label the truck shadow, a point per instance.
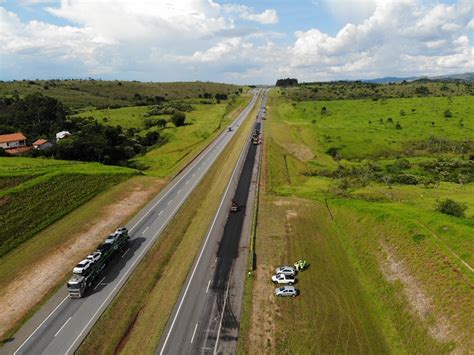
(114, 268)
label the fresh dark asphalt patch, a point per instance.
(229, 246)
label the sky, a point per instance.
(242, 42)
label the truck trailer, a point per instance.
(78, 284)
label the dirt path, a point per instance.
(33, 284)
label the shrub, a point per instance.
(334, 152)
(451, 207)
(407, 179)
(178, 118)
(447, 114)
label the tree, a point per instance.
(451, 207)
(287, 82)
(447, 114)
(178, 118)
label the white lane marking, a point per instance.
(222, 317)
(98, 283)
(160, 213)
(169, 202)
(229, 184)
(194, 333)
(187, 182)
(208, 284)
(178, 191)
(194, 174)
(62, 327)
(145, 229)
(39, 326)
(126, 251)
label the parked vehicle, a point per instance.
(286, 291)
(82, 267)
(286, 270)
(283, 279)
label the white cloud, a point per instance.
(399, 37)
(267, 17)
(205, 40)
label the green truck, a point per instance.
(91, 268)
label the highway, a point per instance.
(62, 323)
(206, 317)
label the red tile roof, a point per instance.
(13, 137)
(18, 150)
(40, 142)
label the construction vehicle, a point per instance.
(258, 126)
(79, 283)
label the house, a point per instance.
(13, 140)
(62, 135)
(42, 144)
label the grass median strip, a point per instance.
(137, 317)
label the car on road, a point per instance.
(287, 270)
(94, 256)
(283, 279)
(234, 207)
(286, 291)
(82, 267)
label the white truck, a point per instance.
(283, 279)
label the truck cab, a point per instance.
(76, 286)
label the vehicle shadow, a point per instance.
(116, 265)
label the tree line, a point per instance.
(39, 116)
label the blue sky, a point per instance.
(234, 41)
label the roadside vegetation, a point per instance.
(382, 212)
(34, 195)
(87, 94)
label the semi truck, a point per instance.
(79, 283)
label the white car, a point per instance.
(94, 256)
(82, 267)
(286, 291)
(287, 270)
(283, 279)
(112, 238)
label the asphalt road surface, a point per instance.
(204, 318)
(62, 323)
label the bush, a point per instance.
(448, 114)
(407, 179)
(333, 151)
(451, 207)
(178, 118)
(158, 122)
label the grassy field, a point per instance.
(135, 320)
(358, 90)
(361, 134)
(87, 94)
(35, 192)
(181, 143)
(388, 273)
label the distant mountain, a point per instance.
(393, 79)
